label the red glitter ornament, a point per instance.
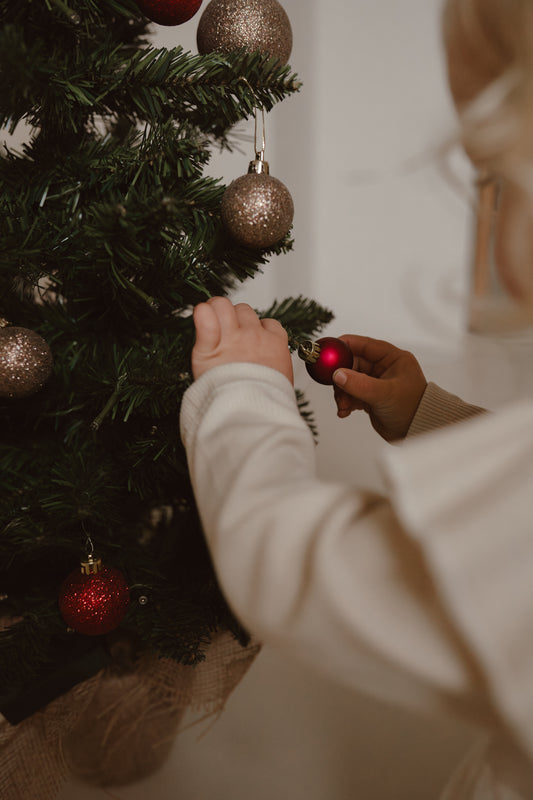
(169, 12)
(325, 356)
(94, 599)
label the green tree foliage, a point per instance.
(110, 233)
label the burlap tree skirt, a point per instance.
(118, 726)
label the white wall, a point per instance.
(382, 238)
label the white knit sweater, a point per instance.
(423, 597)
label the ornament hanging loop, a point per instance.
(259, 165)
(260, 153)
(91, 564)
(89, 546)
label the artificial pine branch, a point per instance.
(110, 233)
(300, 316)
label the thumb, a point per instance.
(208, 330)
(360, 386)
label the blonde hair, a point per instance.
(489, 49)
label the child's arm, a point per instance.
(424, 599)
(318, 569)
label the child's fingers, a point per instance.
(246, 316)
(225, 311)
(274, 326)
(208, 329)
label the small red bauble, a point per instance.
(325, 356)
(169, 12)
(94, 599)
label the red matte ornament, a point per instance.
(324, 357)
(169, 12)
(94, 601)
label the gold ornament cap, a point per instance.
(309, 351)
(91, 565)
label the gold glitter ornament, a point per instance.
(228, 25)
(25, 361)
(257, 209)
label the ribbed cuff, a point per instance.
(439, 408)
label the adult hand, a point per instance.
(386, 382)
(227, 333)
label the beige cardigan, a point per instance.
(423, 597)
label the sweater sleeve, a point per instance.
(439, 408)
(464, 494)
(326, 572)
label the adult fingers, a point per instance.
(360, 386)
(208, 330)
(368, 352)
(345, 403)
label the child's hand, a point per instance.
(226, 333)
(386, 382)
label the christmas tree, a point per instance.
(111, 232)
